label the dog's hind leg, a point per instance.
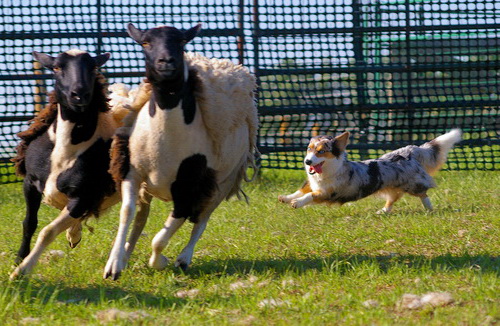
(391, 197)
(426, 202)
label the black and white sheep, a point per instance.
(64, 155)
(190, 144)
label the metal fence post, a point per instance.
(360, 65)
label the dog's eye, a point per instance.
(309, 149)
(321, 152)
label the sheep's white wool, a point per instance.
(65, 154)
(229, 88)
(75, 52)
(126, 103)
(226, 86)
(223, 132)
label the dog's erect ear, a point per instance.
(342, 140)
(134, 33)
(191, 33)
(46, 60)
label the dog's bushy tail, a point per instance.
(436, 151)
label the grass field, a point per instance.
(267, 264)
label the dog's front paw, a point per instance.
(283, 199)
(297, 203)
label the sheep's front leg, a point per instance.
(45, 238)
(33, 199)
(161, 239)
(118, 257)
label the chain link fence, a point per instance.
(392, 72)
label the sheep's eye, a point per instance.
(56, 69)
(145, 44)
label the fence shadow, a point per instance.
(348, 263)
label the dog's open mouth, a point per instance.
(318, 168)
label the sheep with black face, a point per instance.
(64, 155)
(191, 143)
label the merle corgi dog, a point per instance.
(333, 179)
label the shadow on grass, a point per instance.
(100, 296)
(345, 264)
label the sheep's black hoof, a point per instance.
(73, 245)
(183, 266)
(114, 276)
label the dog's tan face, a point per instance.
(323, 151)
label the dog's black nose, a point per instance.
(308, 162)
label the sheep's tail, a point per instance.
(252, 158)
(437, 150)
(248, 161)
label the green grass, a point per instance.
(319, 263)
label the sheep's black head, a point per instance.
(75, 73)
(164, 50)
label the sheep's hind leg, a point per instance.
(140, 221)
(33, 199)
(74, 235)
(118, 257)
(160, 241)
(46, 237)
(184, 259)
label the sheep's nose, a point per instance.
(80, 97)
(308, 162)
(75, 96)
(167, 60)
(165, 63)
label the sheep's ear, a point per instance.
(342, 141)
(46, 60)
(134, 33)
(191, 33)
(101, 59)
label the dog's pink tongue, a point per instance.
(317, 168)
